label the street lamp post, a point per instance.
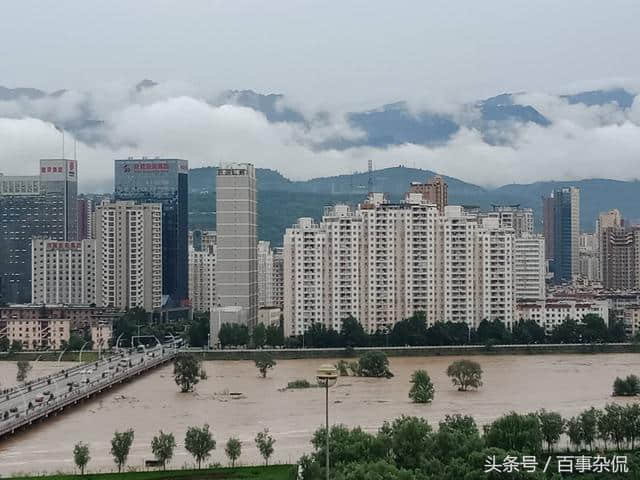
(327, 376)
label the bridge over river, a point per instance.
(49, 395)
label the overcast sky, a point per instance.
(324, 51)
(338, 56)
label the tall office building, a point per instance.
(63, 272)
(435, 191)
(548, 225)
(129, 255)
(237, 247)
(42, 205)
(563, 210)
(165, 182)
(589, 269)
(529, 267)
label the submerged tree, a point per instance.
(421, 387)
(465, 374)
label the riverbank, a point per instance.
(332, 353)
(272, 472)
(424, 351)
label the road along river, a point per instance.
(565, 383)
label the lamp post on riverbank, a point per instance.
(327, 376)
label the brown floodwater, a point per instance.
(565, 383)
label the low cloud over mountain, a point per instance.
(510, 138)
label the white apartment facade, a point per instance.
(265, 274)
(202, 278)
(129, 255)
(34, 334)
(63, 272)
(530, 267)
(553, 311)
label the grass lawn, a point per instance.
(272, 472)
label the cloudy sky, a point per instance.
(329, 56)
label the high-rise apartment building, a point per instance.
(202, 278)
(589, 262)
(129, 255)
(85, 221)
(513, 216)
(202, 240)
(42, 205)
(564, 205)
(386, 261)
(265, 274)
(237, 243)
(63, 272)
(435, 191)
(165, 182)
(278, 278)
(304, 293)
(620, 257)
(529, 267)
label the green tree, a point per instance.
(614, 418)
(374, 364)
(409, 439)
(627, 387)
(259, 335)
(265, 443)
(631, 424)
(515, 432)
(552, 426)
(162, 446)
(127, 325)
(527, 332)
(241, 334)
(16, 346)
(81, 456)
(5, 344)
(226, 335)
(616, 332)
(24, 367)
(465, 374)
(493, 331)
(410, 331)
(120, 446)
(421, 387)
(186, 371)
(352, 333)
(574, 432)
(465, 424)
(264, 362)
(199, 442)
(274, 336)
(594, 329)
(568, 331)
(198, 331)
(589, 426)
(233, 450)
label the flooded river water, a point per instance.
(566, 383)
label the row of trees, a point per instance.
(408, 448)
(198, 441)
(414, 331)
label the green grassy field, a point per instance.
(272, 472)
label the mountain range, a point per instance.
(282, 201)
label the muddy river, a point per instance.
(566, 383)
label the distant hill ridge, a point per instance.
(307, 197)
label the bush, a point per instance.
(627, 387)
(343, 368)
(300, 383)
(421, 387)
(374, 364)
